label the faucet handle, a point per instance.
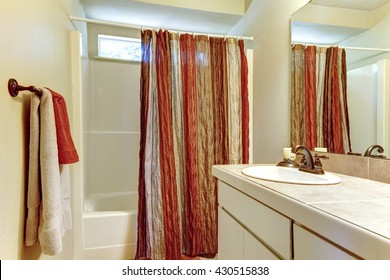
(318, 164)
(317, 157)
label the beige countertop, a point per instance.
(354, 214)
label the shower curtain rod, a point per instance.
(125, 25)
(346, 47)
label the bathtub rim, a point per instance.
(91, 200)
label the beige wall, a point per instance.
(269, 22)
(34, 49)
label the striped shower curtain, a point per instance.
(319, 109)
(194, 113)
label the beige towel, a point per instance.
(34, 182)
(48, 195)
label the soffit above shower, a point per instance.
(216, 16)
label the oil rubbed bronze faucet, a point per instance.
(308, 164)
(371, 148)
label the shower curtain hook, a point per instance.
(224, 37)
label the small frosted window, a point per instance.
(119, 47)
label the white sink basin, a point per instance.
(289, 175)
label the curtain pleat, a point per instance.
(310, 97)
(343, 100)
(190, 103)
(336, 108)
(319, 110)
(166, 146)
(205, 145)
(220, 97)
(234, 96)
(192, 91)
(326, 116)
(245, 103)
(142, 244)
(154, 210)
(178, 131)
(320, 78)
(297, 96)
(152, 176)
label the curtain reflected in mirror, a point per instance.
(349, 43)
(319, 107)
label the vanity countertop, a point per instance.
(354, 214)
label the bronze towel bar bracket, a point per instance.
(14, 88)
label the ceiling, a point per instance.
(163, 16)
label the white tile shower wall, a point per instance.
(115, 96)
(112, 162)
(113, 127)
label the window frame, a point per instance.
(125, 40)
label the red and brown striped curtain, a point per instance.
(319, 109)
(194, 113)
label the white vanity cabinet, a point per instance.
(250, 230)
(255, 250)
(310, 246)
(230, 237)
(261, 219)
(236, 243)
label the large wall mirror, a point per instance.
(362, 28)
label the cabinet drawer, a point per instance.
(308, 246)
(272, 228)
(230, 237)
(255, 250)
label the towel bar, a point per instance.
(14, 88)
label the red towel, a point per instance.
(66, 150)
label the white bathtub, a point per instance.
(110, 225)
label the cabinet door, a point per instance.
(308, 246)
(255, 250)
(272, 227)
(230, 237)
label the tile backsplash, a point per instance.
(358, 166)
(379, 170)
